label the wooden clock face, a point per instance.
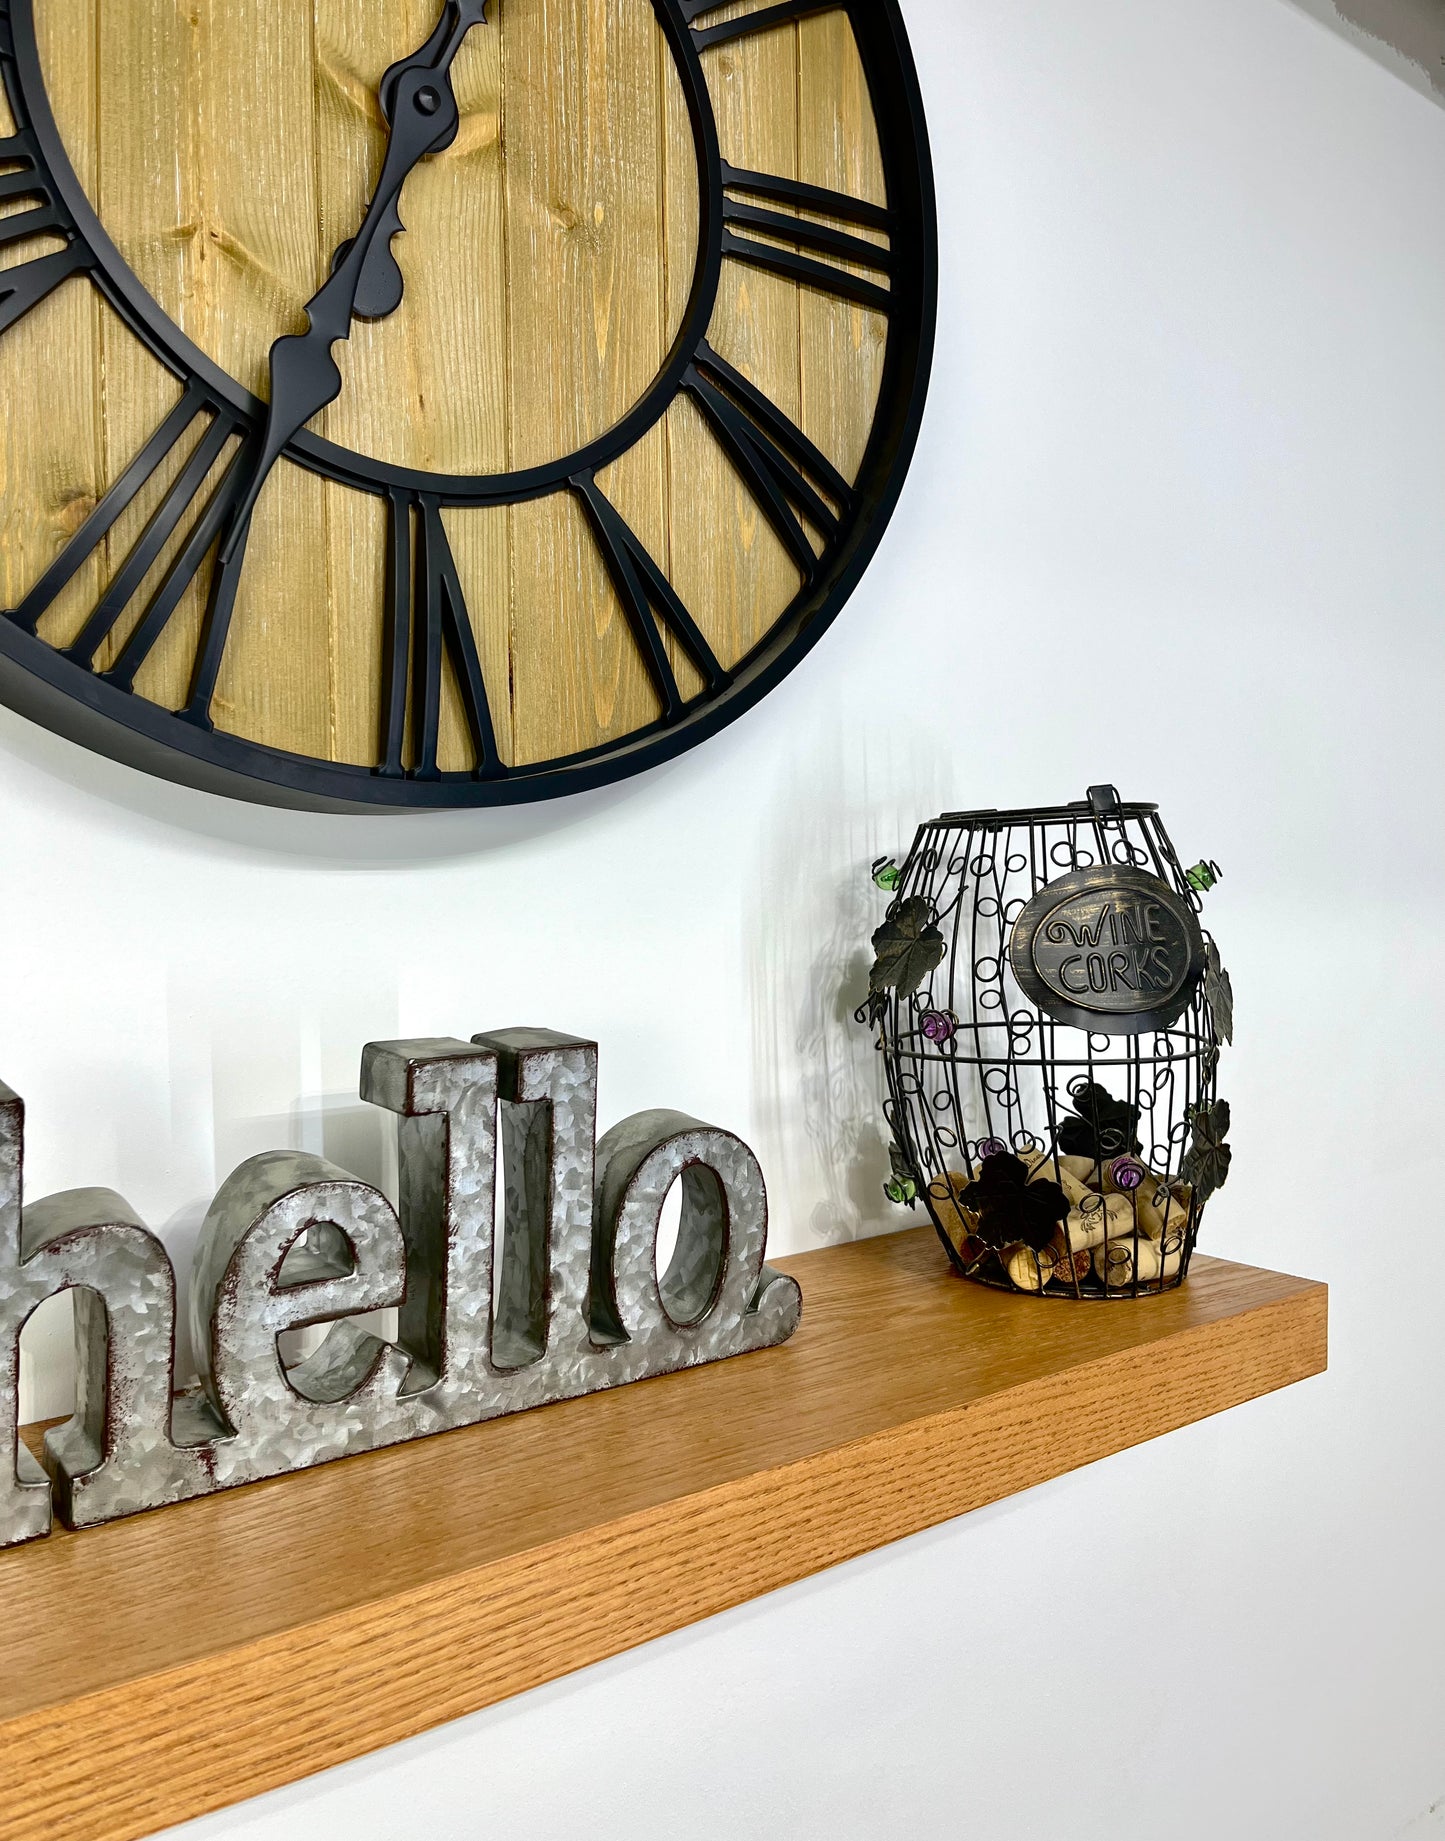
(608, 448)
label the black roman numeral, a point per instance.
(782, 469)
(745, 224)
(427, 622)
(211, 517)
(28, 283)
(811, 198)
(645, 592)
(763, 20)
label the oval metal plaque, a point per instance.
(1109, 949)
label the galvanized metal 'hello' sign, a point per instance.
(291, 1241)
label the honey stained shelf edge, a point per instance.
(173, 1664)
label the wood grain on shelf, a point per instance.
(181, 1661)
(549, 253)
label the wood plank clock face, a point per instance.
(445, 404)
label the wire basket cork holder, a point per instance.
(1050, 1013)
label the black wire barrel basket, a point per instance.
(1050, 1013)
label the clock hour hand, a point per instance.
(420, 106)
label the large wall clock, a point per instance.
(445, 402)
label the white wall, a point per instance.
(1184, 469)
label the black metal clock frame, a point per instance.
(100, 710)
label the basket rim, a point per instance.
(992, 819)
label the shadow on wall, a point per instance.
(1406, 36)
(817, 1082)
(292, 1046)
(396, 841)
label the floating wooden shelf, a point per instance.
(169, 1665)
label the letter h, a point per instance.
(115, 1454)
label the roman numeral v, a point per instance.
(648, 599)
(427, 623)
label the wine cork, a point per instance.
(1070, 1264)
(958, 1222)
(1121, 1263)
(1164, 1214)
(1100, 1218)
(1027, 1270)
(1055, 1170)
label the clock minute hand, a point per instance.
(365, 282)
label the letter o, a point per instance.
(715, 1271)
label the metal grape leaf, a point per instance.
(1011, 1209)
(1206, 1162)
(1218, 991)
(902, 1187)
(1101, 1126)
(909, 947)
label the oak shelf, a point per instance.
(161, 1667)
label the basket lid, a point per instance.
(1101, 802)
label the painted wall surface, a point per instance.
(1176, 521)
